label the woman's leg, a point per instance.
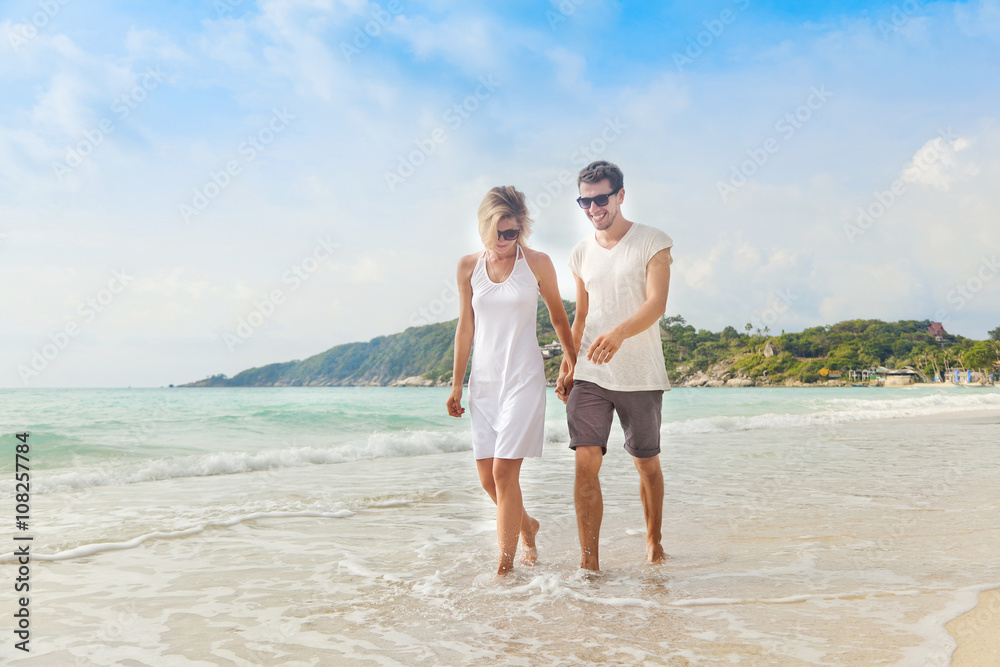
(510, 510)
(529, 526)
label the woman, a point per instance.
(499, 290)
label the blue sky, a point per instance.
(191, 188)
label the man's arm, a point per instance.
(604, 347)
(565, 382)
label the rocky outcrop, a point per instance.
(417, 381)
(719, 375)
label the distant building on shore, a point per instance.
(936, 329)
(902, 377)
(551, 351)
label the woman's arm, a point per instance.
(548, 287)
(463, 333)
(565, 382)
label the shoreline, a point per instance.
(421, 383)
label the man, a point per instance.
(622, 275)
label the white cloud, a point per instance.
(746, 257)
(938, 165)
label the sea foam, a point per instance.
(840, 411)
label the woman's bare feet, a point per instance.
(529, 552)
(654, 554)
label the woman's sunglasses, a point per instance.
(600, 200)
(508, 234)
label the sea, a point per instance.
(346, 526)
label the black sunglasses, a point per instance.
(600, 200)
(508, 234)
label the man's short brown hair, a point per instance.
(595, 172)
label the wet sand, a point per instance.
(978, 633)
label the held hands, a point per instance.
(454, 403)
(605, 346)
(564, 384)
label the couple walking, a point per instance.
(622, 275)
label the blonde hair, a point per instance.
(503, 201)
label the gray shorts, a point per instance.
(590, 411)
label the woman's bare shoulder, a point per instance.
(536, 257)
(467, 263)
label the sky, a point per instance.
(192, 188)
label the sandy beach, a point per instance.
(978, 633)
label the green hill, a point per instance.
(427, 351)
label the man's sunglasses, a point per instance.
(508, 234)
(600, 200)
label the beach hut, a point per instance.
(551, 351)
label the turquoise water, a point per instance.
(251, 428)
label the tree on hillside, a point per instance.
(995, 334)
(979, 357)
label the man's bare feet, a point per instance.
(529, 552)
(654, 554)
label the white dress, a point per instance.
(507, 382)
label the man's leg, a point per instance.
(529, 526)
(589, 504)
(651, 493)
(639, 412)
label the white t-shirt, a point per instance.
(616, 284)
